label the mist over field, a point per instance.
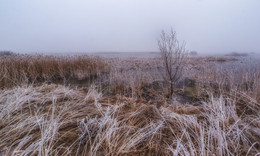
(64, 26)
(129, 77)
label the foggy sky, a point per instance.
(207, 26)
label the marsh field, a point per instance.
(96, 105)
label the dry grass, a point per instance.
(19, 69)
(125, 112)
(55, 120)
(242, 76)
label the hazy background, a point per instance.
(208, 26)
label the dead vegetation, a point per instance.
(56, 120)
(27, 69)
(124, 110)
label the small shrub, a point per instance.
(173, 55)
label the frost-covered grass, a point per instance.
(57, 120)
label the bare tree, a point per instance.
(173, 55)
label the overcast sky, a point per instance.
(207, 26)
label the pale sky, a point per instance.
(207, 26)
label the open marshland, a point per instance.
(82, 105)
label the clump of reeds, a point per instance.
(19, 69)
(56, 120)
